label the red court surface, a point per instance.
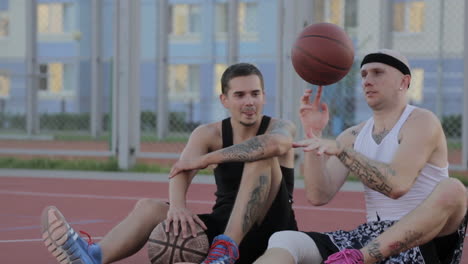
(97, 205)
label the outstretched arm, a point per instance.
(277, 141)
(323, 174)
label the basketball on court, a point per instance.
(166, 248)
(322, 54)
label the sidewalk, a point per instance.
(132, 176)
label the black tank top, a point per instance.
(228, 175)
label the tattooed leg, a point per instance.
(259, 185)
(440, 214)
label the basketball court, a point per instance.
(95, 201)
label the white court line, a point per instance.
(34, 240)
(111, 197)
(91, 196)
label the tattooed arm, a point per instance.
(420, 136)
(275, 142)
(323, 174)
(375, 175)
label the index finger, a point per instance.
(319, 94)
(301, 143)
(174, 173)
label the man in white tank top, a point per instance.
(415, 212)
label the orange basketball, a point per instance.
(322, 54)
(165, 248)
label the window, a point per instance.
(4, 85)
(184, 82)
(248, 14)
(4, 18)
(408, 16)
(415, 92)
(334, 12)
(185, 20)
(221, 18)
(219, 70)
(51, 78)
(351, 9)
(53, 18)
(247, 20)
(339, 12)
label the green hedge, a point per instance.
(80, 122)
(452, 126)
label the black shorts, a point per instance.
(279, 217)
(441, 250)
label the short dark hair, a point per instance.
(237, 70)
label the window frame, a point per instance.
(5, 79)
(48, 79)
(5, 15)
(407, 17)
(188, 36)
(188, 94)
(67, 17)
(244, 35)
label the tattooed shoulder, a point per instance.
(354, 131)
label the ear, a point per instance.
(405, 82)
(224, 100)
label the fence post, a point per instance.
(162, 55)
(32, 120)
(233, 32)
(280, 59)
(440, 62)
(297, 16)
(127, 77)
(96, 73)
(465, 95)
(386, 26)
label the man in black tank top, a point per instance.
(254, 173)
(254, 176)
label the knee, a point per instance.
(451, 193)
(299, 245)
(281, 238)
(150, 205)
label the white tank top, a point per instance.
(378, 205)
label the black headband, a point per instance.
(386, 59)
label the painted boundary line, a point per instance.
(111, 197)
(131, 176)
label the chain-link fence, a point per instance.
(74, 66)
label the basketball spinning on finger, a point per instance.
(322, 54)
(167, 248)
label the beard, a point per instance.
(247, 124)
